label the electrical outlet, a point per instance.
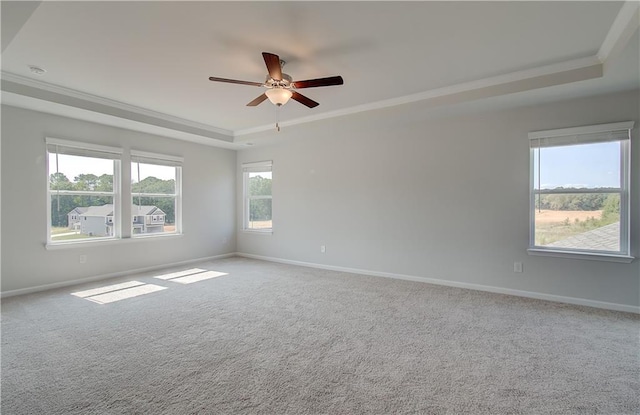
(323, 249)
(83, 259)
(517, 267)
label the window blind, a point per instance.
(153, 158)
(581, 135)
(258, 166)
(72, 148)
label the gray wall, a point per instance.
(208, 203)
(414, 191)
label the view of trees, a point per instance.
(61, 205)
(573, 201)
(611, 209)
(260, 209)
(608, 203)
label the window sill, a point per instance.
(106, 242)
(140, 237)
(258, 231)
(626, 259)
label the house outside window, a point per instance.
(82, 179)
(257, 196)
(156, 194)
(579, 192)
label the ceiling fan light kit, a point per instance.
(278, 95)
(280, 86)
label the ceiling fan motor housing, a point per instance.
(286, 82)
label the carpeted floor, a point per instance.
(265, 338)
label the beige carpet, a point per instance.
(261, 338)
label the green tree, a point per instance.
(259, 186)
(611, 209)
(572, 201)
(105, 183)
(260, 209)
(154, 185)
(60, 205)
(86, 182)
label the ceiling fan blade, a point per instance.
(313, 83)
(234, 81)
(257, 100)
(273, 65)
(304, 100)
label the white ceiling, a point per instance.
(154, 58)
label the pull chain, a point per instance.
(539, 195)
(58, 179)
(277, 117)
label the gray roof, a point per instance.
(78, 210)
(145, 210)
(107, 210)
(606, 238)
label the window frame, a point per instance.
(116, 155)
(577, 136)
(255, 167)
(145, 157)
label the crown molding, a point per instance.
(540, 77)
(95, 99)
(623, 27)
(49, 107)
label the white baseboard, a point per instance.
(477, 287)
(31, 290)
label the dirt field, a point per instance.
(553, 216)
(552, 225)
(264, 224)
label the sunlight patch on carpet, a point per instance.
(178, 274)
(191, 275)
(117, 292)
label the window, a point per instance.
(156, 193)
(82, 182)
(580, 191)
(256, 179)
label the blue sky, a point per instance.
(587, 165)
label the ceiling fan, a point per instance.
(280, 86)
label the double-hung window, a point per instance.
(156, 194)
(257, 212)
(579, 192)
(83, 191)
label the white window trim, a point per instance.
(624, 255)
(116, 194)
(138, 156)
(253, 167)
